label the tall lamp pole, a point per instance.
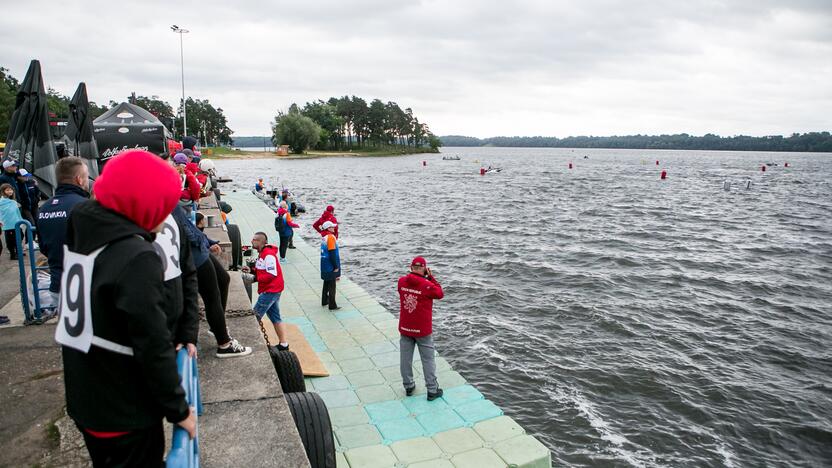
(182, 31)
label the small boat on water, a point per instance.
(450, 158)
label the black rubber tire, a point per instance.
(236, 246)
(315, 429)
(288, 370)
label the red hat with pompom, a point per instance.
(140, 186)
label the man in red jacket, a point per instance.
(417, 290)
(269, 277)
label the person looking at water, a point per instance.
(269, 278)
(284, 226)
(330, 265)
(327, 215)
(119, 362)
(181, 284)
(213, 282)
(417, 291)
(73, 178)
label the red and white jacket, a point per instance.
(267, 271)
(416, 294)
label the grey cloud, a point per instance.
(681, 65)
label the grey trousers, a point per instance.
(426, 352)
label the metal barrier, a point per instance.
(30, 317)
(184, 451)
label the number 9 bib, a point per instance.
(75, 323)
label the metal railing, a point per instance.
(31, 317)
(184, 451)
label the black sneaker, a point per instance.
(433, 396)
(235, 349)
(280, 347)
(409, 390)
(334, 308)
(4, 320)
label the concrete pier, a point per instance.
(375, 424)
(246, 420)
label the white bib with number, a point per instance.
(167, 246)
(74, 328)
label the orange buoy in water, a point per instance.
(657, 162)
(664, 175)
(482, 171)
(570, 165)
(763, 167)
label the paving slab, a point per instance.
(375, 423)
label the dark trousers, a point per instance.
(213, 283)
(11, 242)
(328, 294)
(138, 448)
(284, 244)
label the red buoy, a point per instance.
(786, 165)
(763, 167)
(570, 165)
(664, 175)
(482, 171)
(657, 162)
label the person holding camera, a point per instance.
(417, 291)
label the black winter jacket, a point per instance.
(106, 390)
(181, 293)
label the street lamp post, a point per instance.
(182, 31)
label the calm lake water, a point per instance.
(621, 319)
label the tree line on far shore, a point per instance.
(204, 120)
(347, 123)
(805, 142)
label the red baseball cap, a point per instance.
(419, 261)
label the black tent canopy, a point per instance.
(128, 126)
(78, 138)
(30, 141)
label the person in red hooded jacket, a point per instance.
(328, 215)
(190, 185)
(417, 291)
(119, 361)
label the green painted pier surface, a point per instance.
(375, 424)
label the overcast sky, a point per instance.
(479, 68)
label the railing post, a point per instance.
(29, 315)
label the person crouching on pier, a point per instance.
(119, 361)
(417, 291)
(330, 265)
(269, 277)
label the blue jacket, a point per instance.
(330, 258)
(200, 243)
(21, 192)
(52, 219)
(9, 213)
